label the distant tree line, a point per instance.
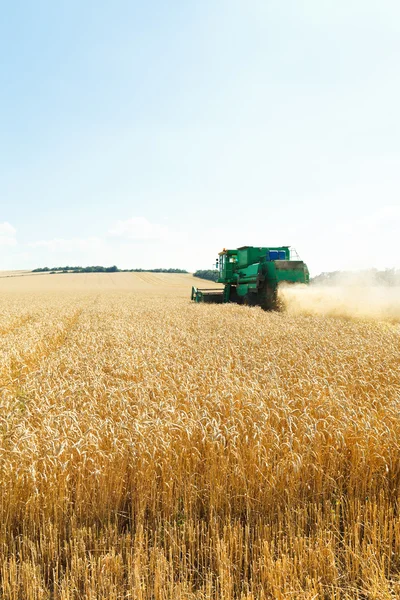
(210, 274)
(100, 269)
(68, 269)
(155, 271)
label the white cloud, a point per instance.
(7, 234)
(7, 241)
(7, 229)
(68, 245)
(140, 229)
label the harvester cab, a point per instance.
(251, 275)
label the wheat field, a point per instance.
(152, 448)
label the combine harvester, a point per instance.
(252, 275)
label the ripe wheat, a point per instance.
(153, 448)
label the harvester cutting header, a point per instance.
(251, 276)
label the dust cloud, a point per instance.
(349, 295)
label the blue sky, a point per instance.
(149, 134)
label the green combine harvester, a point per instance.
(252, 275)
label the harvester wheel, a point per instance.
(268, 297)
(250, 299)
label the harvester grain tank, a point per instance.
(251, 275)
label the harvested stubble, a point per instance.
(151, 448)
